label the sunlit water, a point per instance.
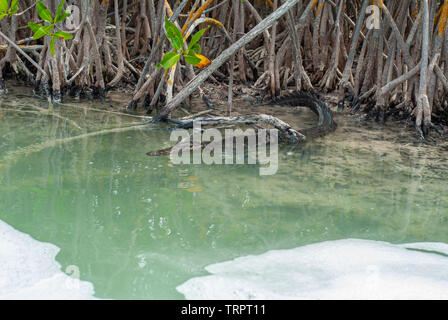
(139, 227)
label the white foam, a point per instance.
(345, 269)
(28, 270)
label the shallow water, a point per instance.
(138, 227)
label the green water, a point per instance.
(137, 227)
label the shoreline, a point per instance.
(245, 103)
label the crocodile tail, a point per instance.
(326, 122)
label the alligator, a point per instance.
(325, 124)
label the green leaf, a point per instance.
(13, 8)
(191, 58)
(44, 13)
(196, 48)
(2, 15)
(59, 12)
(169, 60)
(52, 50)
(3, 7)
(42, 31)
(63, 35)
(34, 26)
(173, 33)
(197, 36)
(64, 15)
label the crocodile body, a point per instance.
(325, 124)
